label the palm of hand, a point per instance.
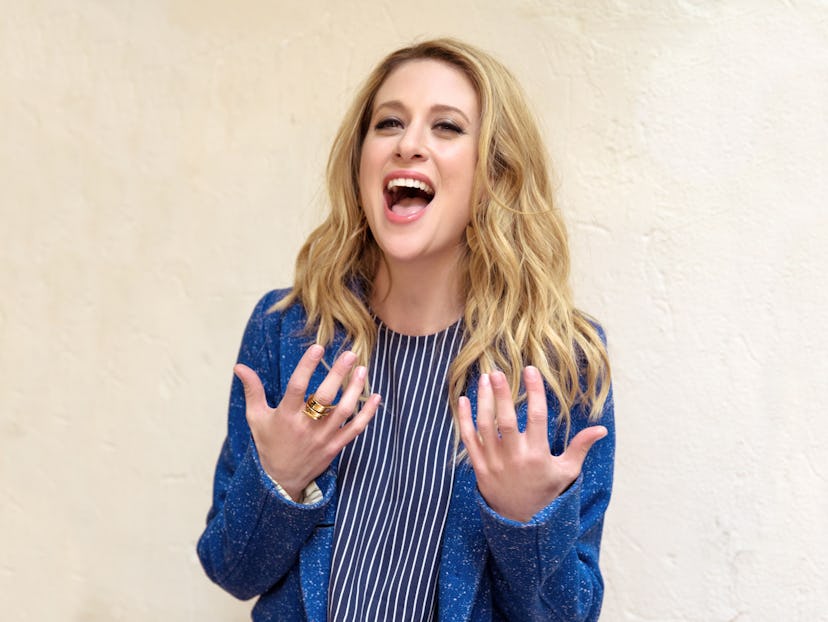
(516, 472)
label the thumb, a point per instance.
(584, 440)
(254, 395)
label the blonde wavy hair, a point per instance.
(515, 269)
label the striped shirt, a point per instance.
(395, 482)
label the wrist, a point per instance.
(296, 495)
(288, 488)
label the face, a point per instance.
(417, 163)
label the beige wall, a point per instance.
(161, 163)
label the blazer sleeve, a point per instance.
(547, 569)
(253, 534)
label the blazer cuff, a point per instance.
(312, 496)
(537, 547)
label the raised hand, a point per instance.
(293, 448)
(516, 472)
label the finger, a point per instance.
(486, 413)
(356, 425)
(536, 408)
(579, 446)
(347, 405)
(506, 418)
(468, 433)
(297, 386)
(254, 394)
(326, 392)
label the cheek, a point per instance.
(368, 172)
(363, 183)
(466, 182)
(465, 165)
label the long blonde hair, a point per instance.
(519, 307)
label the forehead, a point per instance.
(428, 83)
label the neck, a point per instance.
(416, 298)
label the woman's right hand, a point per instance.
(293, 448)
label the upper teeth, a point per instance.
(410, 183)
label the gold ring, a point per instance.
(316, 409)
(317, 406)
(313, 415)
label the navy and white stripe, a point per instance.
(395, 482)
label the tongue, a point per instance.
(409, 205)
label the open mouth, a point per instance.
(407, 197)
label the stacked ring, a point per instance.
(315, 409)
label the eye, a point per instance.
(387, 123)
(449, 127)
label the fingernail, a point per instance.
(498, 378)
(360, 372)
(532, 373)
(316, 351)
(484, 380)
(348, 357)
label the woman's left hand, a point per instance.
(516, 472)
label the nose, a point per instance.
(411, 145)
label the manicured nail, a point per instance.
(484, 380)
(498, 378)
(360, 372)
(348, 357)
(316, 351)
(532, 373)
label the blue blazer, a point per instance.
(257, 543)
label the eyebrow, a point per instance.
(398, 105)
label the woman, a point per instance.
(465, 486)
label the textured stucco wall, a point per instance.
(160, 163)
